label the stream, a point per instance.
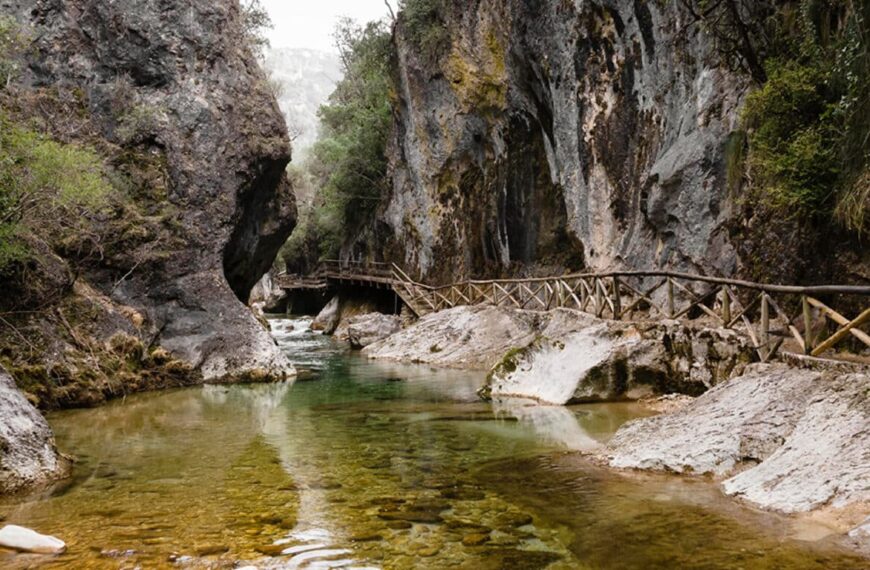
(371, 465)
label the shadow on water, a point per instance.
(378, 466)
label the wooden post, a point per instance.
(584, 297)
(617, 299)
(808, 326)
(599, 302)
(671, 308)
(726, 306)
(765, 323)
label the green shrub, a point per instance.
(808, 124)
(426, 29)
(46, 188)
(12, 46)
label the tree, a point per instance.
(255, 22)
(740, 28)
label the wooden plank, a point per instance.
(507, 295)
(785, 321)
(808, 324)
(839, 319)
(764, 335)
(573, 296)
(842, 333)
(617, 299)
(671, 305)
(644, 297)
(696, 301)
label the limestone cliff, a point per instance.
(553, 134)
(172, 96)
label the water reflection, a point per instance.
(376, 466)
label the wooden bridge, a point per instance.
(776, 318)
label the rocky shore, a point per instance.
(781, 438)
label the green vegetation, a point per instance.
(255, 22)
(426, 29)
(808, 122)
(12, 45)
(47, 189)
(348, 164)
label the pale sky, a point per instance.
(310, 23)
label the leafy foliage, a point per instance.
(807, 123)
(348, 165)
(46, 188)
(12, 45)
(426, 29)
(255, 21)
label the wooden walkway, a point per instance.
(772, 316)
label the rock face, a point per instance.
(172, 89)
(368, 329)
(566, 356)
(462, 337)
(578, 358)
(554, 133)
(790, 440)
(28, 456)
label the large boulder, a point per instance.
(786, 439)
(28, 456)
(173, 96)
(584, 366)
(463, 337)
(328, 318)
(365, 330)
(578, 358)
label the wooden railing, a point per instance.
(753, 308)
(774, 317)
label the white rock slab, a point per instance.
(26, 540)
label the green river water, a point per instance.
(379, 466)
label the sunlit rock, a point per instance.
(26, 540)
(28, 456)
(369, 329)
(791, 440)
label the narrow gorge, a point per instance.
(542, 284)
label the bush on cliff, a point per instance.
(47, 189)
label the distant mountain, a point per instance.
(307, 78)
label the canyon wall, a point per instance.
(170, 94)
(555, 135)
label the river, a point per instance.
(366, 465)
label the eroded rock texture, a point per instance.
(170, 92)
(554, 133)
(28, 456)
(790, 440)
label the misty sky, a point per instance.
(310, 23)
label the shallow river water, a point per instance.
(379, 466)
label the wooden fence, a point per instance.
(759, 310)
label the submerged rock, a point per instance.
(790, 440)
(463, 337)
(369, 329)
(26, 540)
(28, 456)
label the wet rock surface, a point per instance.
(785, 439)
(566, 356)
(28, 456)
